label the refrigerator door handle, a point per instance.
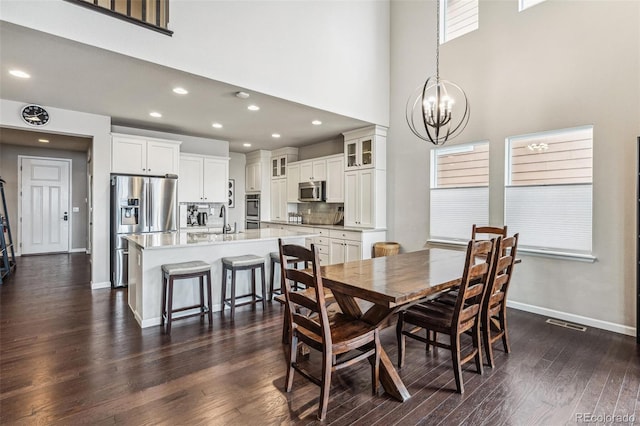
(150, 206)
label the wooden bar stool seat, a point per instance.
(181, 271)
(247, 262)
(275, 259)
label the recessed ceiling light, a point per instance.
(246, 144)
(155, 114)
(43, 140)
(19, 74)
(180, 91)
(217, 125)
(316, 122)
(253, 107)
(275, 135)
(242, 95)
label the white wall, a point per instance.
(190, 144)
(556, 65)
(334, 54)
(98, 128)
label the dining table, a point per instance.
(390, 284)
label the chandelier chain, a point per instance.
(438, 40)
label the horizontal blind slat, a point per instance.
(454, 210)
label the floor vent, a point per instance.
(566, 324)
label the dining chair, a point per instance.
(488, 230)
(336, 336)
(494, 303)
(436, 317)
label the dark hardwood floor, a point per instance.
(69, 355)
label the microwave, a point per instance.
(312, 191)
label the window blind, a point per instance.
(454, 210)
(458, 17)
(553, 217)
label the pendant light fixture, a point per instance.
(438, 110)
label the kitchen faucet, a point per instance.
(223, 215)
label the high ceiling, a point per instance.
(70, 75)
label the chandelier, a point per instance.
(432, 113)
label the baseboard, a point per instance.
(579, 319)
(78, 250)
(151, 322)
(104, 284)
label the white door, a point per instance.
(45, 205)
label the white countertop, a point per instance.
(191, 239)
(336, 227)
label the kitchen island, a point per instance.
(148, 252)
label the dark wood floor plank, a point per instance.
(77, 356)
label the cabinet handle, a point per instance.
(144, 170)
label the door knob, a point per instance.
(65, 216)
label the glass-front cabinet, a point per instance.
(359, 153)
(279, 166)
(365, 148)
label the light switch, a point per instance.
(75, 209)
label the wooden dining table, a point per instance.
(391, 284)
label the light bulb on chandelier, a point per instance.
(432, 112)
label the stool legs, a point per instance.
(164, 300)
(273, 277)
(264, 288)
(233, 293)
(255, 298)
(170, 306)
(210, 298)
(167, 300)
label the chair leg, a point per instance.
(264, 288)
(293, 353)
(475, 336)
(272, 281)
(164, 299)
(210, 298)
(285, 327)
(486, 342)
(455, 358)
(170, 305)
(505, 333)
(401, 339)
(326, 384)
(202, 307)
(253, 288)
(375, 366)
(233, 293)
(224, 287)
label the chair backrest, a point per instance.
(477, 271)
(489, 230)
(294, 299)
(501, 272)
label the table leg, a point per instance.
(391, 381)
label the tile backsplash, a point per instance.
(189, 211)
(321, 213)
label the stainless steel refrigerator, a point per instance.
(139, 204)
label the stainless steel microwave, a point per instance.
(312, 191)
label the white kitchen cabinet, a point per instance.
(203, 179)
(335, 179)
(365, 148)
(363, 206)
(313, 170)
(293, 178)
(341, 251)
(144, 156)
(278, 199)
(280, 159)
(253, 178)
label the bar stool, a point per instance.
(242, 263)
(181, 271)
(275, 259)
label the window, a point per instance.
(548, 193)
(459, 190)
(457, 17)
(525, 4)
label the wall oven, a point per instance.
(252, 211)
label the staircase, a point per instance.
(8, 259)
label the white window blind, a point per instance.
(548, 196)
(454, 210)
(525, 4)
(458, 17)
(459, 190)
(554, 218)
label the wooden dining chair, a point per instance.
(436, 317)
(332, 335)
(488, 230)
(494, 304)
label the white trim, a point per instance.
(579, 319)
(104, 284)
(78, 250)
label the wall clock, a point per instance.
(35, 115)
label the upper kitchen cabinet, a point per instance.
(313, 170)
(253, 178)
(365, 198)
(280, 158)
(203, 179)
(293, 178)
(365, 148)
(144, 156)
(335, 179)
